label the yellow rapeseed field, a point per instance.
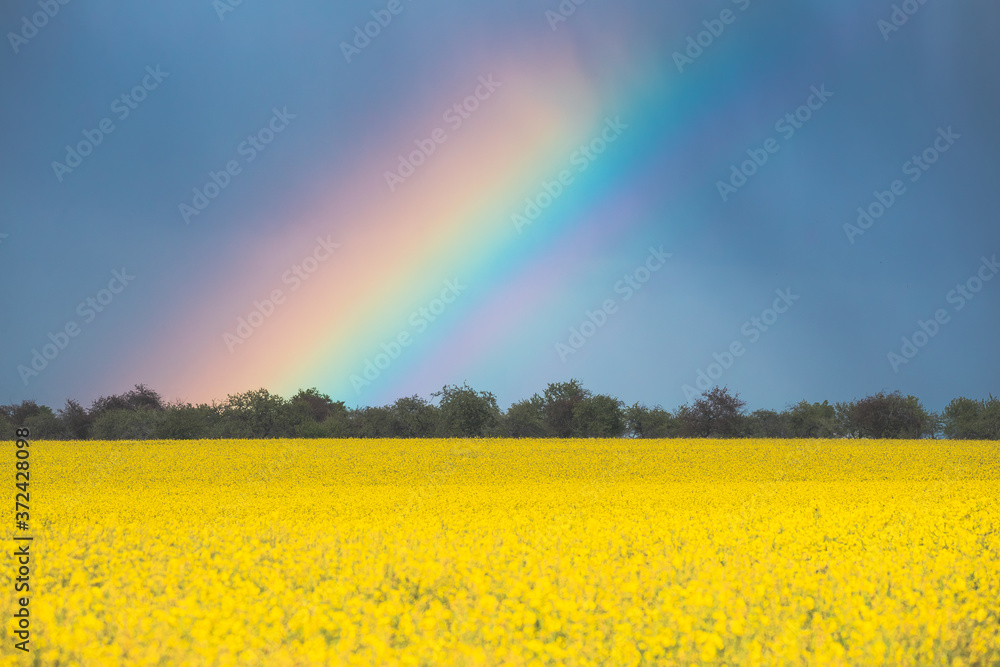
(511, 552)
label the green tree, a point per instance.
(466, 413)
(846, 424)
(416, 418)
(126, 424)
(256, 414)
(655, 422)
(75, 420)
(969, 419)
(313, 414)
(376, 422)
(44, 425)
(525, 419)
(38, 419)
(560, 402)
(599, 416)
(315, 405)
(716, 414)
(811, 420)
(183, 421)
(768, 424)
(7, 428)
(961, 419)
(887, 416)
(990, 419)
(19, 414)
(934, 425)
(339, 425)
(137, 398)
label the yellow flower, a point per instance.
(710, 552)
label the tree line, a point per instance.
(564, 410)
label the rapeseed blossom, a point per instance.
(513, 552)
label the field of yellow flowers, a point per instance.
(511, 552)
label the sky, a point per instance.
(795, 200)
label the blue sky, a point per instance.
(922, 270)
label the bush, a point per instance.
(811, 420)
(768, 424)
(75, 420)
(183, 421)
(135, 399)
(123, 424)
(892, 415)
(8, 431)
(968, 419)
(379, 422)
(599, 416)
(415, 417)
(717, 414)
(559, 409)
(525, 419)
(38, 419)
(256, 414)
(655, 422)
(466, 413)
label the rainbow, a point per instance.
(453, 219)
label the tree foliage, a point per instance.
(768, 424)
(125, 424)
(599, 416)
(76, 420)
(565, 409)
(416, 417)
(526, 419)
(559, 405)
(466, 413)
(138, 398)
(255, 414)
(716, 414)
(885, 415)
(969, 419)
(811, 420)
(655, 422)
